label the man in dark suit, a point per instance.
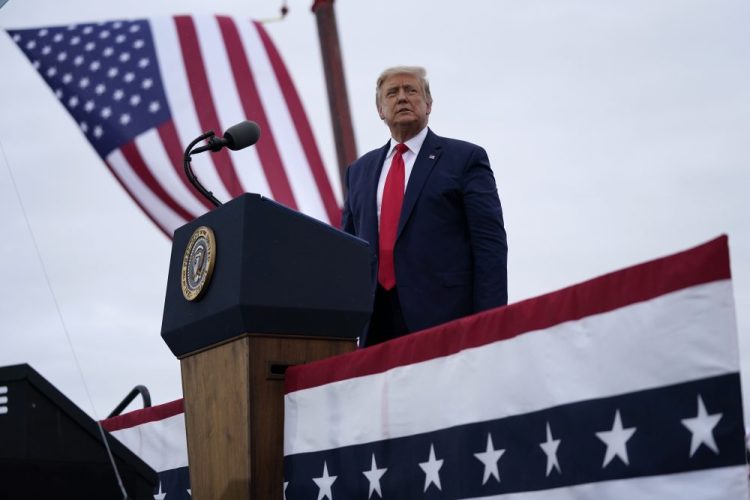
(429, 208)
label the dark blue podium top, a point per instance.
(276, 271)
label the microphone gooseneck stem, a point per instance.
(189, 171)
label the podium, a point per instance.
(255, 287)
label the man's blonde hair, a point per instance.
(417, 72)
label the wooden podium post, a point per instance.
(236, 429)
(286, 289)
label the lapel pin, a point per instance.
(432, 157)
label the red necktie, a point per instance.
(390, 211)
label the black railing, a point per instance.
(138, 389)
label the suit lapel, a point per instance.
(428, 157)
(371, 197)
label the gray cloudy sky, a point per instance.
(618, 132)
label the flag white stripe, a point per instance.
(698, 485)
(152, 150)
(228, 104)
(686, 335)
(161, 444)
(165, 216)
(295, 162)
(184, 116)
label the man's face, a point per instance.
(403, 106)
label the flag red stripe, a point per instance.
(138, 417)
(303, 129)
(167, 231)
(204, 104)
(703, 264)
(171, 141)
(134, 158)
(253, 107)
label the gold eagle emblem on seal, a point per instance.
(198, 263)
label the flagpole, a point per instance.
(338, 100)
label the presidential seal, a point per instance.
(198, 263)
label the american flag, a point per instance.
(141, 90)
(623, 387)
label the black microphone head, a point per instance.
(242, 135)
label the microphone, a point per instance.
(241, 135)
(236, 137)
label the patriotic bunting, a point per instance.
(623, 387)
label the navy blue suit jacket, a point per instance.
(450, 255)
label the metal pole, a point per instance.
(338, 100)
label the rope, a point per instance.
(60, 316)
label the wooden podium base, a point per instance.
(234, 412)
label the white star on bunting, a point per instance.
(324, 484)
(489, 459)
(702, 428)
(431, 470)
(616, 441)
(373, 476)
(160, 495)
(550, 449)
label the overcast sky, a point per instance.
(618, 132)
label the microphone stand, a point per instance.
(189, 171)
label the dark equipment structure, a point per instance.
(50, 448)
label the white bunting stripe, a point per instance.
(161, 444)
(673, 486)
